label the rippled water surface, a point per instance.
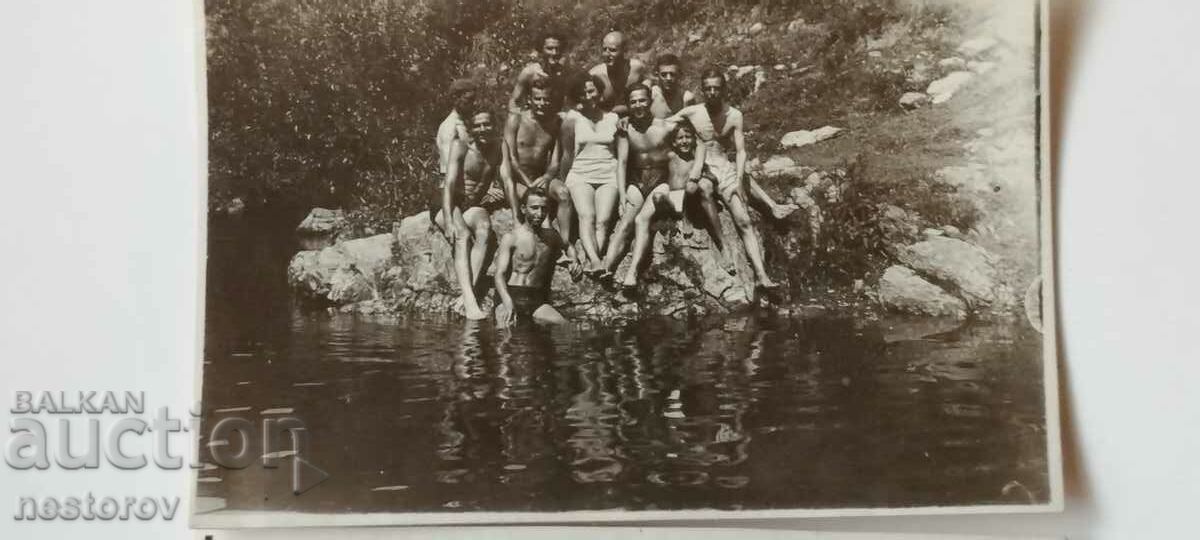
(750, 412)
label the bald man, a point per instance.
(619, 73)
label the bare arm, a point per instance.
(510, 147)
(622, 160)
(506, 179)
(458, 152)
(688, 98)
(566, 144)
(518, 93)
(555, 159)
(503, 261)
(698, 157)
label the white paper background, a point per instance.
(99, 243)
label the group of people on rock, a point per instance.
(601, 155)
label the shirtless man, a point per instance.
(618, 72)
(642, 162)
(548, 66)
(472, 171)
(669, 97)
(720, 127)
(684, 160)
(462, 94)
(525, 265)
(531, 136)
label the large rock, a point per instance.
(968, 269)
(902, 290)
(320, 228)
(913, 100)
(941, 90)
(343, 273)
(796, 139)
(413, 270)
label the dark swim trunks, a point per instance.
(526, 300)
(645, 180)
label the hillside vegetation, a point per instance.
(334, 103)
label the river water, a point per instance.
(752, 412)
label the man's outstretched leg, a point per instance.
(745, 228)
(641, 243)
(778, 211)
(706, 191)
(463, 238)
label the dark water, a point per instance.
(751, 412)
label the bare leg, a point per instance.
(745, 228)
(620, 237)
(641, 243)
(709, 206)
(778, 211)
(566, 212)
(606, 212)
(462, 266)
(480, 224)
(546, 313)
(584, 197)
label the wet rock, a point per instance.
(913, 100)
(952, 64)
(321, 227)
(941, 90)
(343, 273)
(902, 290)
(968, 269)
(796, 139)
(897, 328)
(981, 67)
(977, 46)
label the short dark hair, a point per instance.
(713, 73)
(667, 60)
(580, 84)
(637, 88)
(683, 125)
(550, 34)
(535, 192)
(542, 83)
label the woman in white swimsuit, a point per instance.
(590, 162)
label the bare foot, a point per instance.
(596, 271)
(781, 211)
(564, 261)
(766, 283)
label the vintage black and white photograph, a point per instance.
(588, 260)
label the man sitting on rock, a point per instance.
(720, 127)
(618, 71)
(531, 136)
(525, 265)
(471, 173)
(684, 163)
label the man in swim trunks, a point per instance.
(666, 199)
(642, 162)
(668, 96)
(473, 168)
(720, 127)
(549, 66)
(525, 265)
(618, 72)
(452, 128)
(532, 140)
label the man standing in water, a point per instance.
(618, 72)
(531, 137)
(669, 97)
(472, 171)
(548, 67)
(720, 127)
(525, 265)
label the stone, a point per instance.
(913, 100)
(695, 37)
(941, 90)
(322, 221)
(930, 231)
(897, 226)
(775, 164)
(874, 54)
(744, 70)
(981, 67)
(760, 78)
(952, 64)
(412, 270)
(969, 269)
(796, 25)
(796, 139)
(977, 46)
(780, 67)
(902, 290)
(756, 28)
(342, 273)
